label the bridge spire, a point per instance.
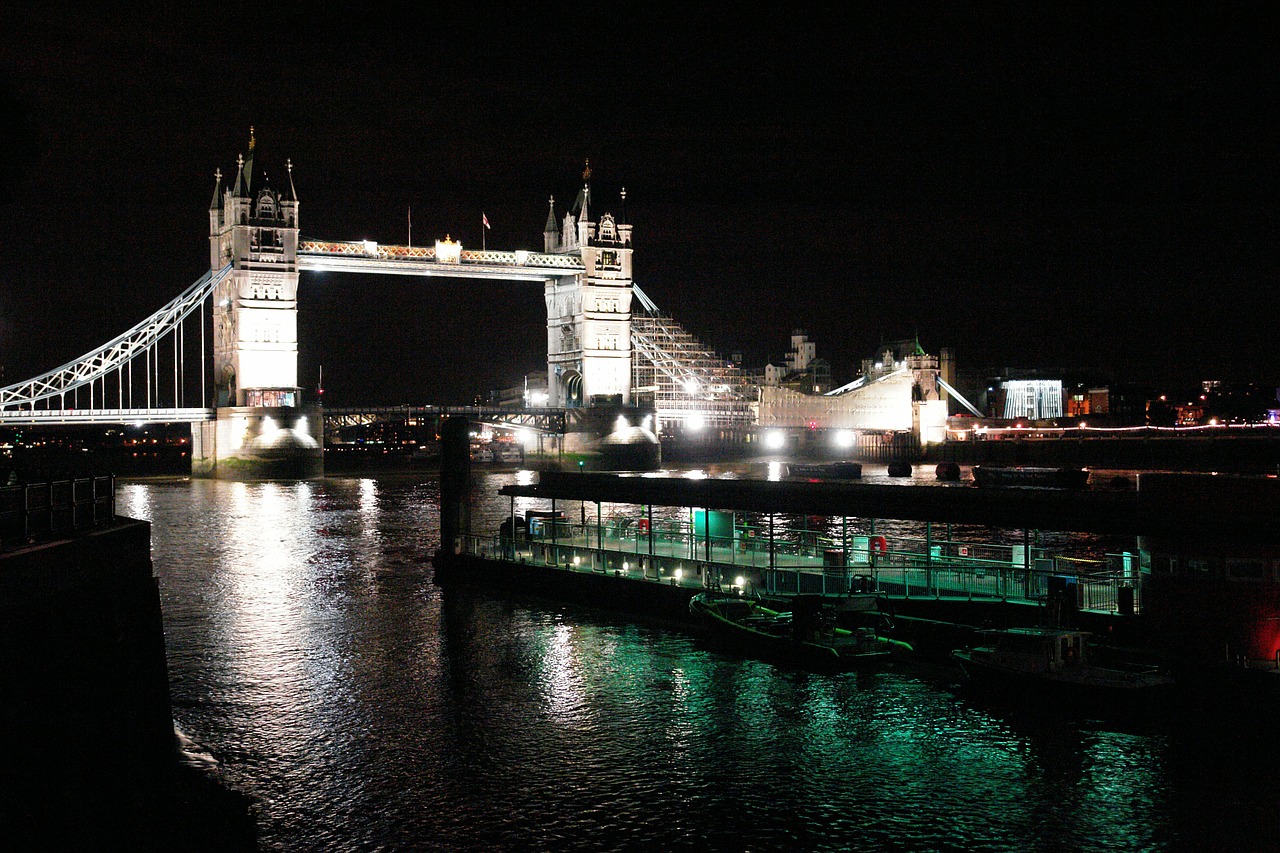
(217, 189)
(248, 163)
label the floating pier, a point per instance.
(782, 538)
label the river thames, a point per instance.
(362, 707)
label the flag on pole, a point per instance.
(484, 219)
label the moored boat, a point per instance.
(1027, 660)
(808, 636)
(825, 470)
(1053, 478)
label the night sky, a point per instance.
(1033, 185)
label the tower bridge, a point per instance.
(223, 355)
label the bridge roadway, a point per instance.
(542, 419)
(370, 257)
(547, 420)
(58, 417)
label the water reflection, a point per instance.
(561, 676)
(311, 654)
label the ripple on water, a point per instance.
(364, 708)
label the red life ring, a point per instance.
(879, 545)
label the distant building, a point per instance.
(801, 371)
(530, 394)
(1084, 401)
(1034, 399)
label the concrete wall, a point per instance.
(85, 711)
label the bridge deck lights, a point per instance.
(448, 252)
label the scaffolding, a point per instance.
(689, 385)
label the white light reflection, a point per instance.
(369, 509)
(563, 685)
(134, 501)
(775, 471)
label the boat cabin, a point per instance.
(1035, 649)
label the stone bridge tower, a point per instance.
(255, 309)
(589, 315)
(262, 429)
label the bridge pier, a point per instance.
(613, 438)
(259, 443)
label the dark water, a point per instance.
(364, 708)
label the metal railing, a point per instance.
(35, 512)
(671, 553)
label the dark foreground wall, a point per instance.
(86, 730)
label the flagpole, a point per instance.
(484, 221)
(410, 226)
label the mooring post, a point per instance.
(455, 484)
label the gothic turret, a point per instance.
(551, 233)
(589, 317)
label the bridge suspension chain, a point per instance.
(95, 366)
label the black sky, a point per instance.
(1034, 185)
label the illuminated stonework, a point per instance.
(589, 315)
(255, 309)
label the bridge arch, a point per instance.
(571, 384)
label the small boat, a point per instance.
(1053, 478)
(1027, 660)
(826, 471)
(807, 636)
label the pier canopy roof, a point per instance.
(1179, 505)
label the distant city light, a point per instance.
(774, 440)
(695, 422)
(844, 438)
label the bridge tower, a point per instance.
(262, 427)
(589, 315)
